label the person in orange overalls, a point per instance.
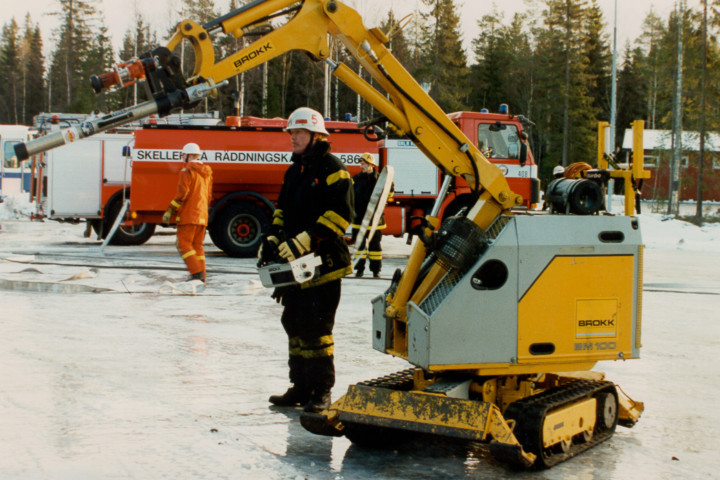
(189, 209)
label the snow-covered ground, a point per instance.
(105, 377)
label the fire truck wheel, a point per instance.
(131, 235)
(237, 229)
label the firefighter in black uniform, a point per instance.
(313, 212)
(363, 184)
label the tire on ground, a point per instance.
(238, 228)
(125, 235)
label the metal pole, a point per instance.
(242, 88)
(264, 90)
(673, 200)
(701, 153)
(613, 110)
(326, 91)
(359, 98)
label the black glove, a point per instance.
(268, 251)
(278, 293)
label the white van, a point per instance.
(14, 175)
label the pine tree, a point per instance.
(651, 64)
(631, 90)
(68, 80)
(10, 74)
(444, 62)
(415, 38)
(520, 84)
(101, 60)
(305, 83)
(33, 69)
(489, 75)
(136, 41)
(599, 69)
(504, 71)
(693, 64)
(564, 83)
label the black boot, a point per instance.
(360, 268)
(197, 276)
(294, 397)
(319, 401)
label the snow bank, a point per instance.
(666, 233)
(15, 206)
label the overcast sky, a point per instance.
(119, 14)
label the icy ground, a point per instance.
(102, 377)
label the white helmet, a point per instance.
(191, 148)
(559, 170)
(368, 158)
(308, 119)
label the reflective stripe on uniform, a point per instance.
(375, 255)
(278, 218)
(294, 346)
(317, 348)
(328, 277)
(186, 255)
(334, 222)
(174, 204)
(339, 175)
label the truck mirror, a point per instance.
(523, 153)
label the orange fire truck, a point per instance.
(249, 156)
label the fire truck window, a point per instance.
(9, 158)
(503, 143)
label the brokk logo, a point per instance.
(596, 323)
(252, 55)
(597, 317)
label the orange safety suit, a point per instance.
(194, 191)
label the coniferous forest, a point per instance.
(552, 63)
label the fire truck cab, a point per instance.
(499, 136)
